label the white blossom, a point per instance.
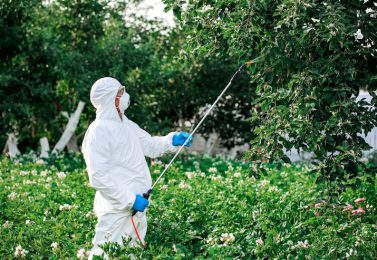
(54, 245)
(301, 244)
(7, 224)
(237, 174)
(29, 222)
(66, 207)
(358, 35)
(20, 252)
(201, 174)
(24, 173)
(184, 185)
(40, 161)
(206, 8)
(259, 241)
(90, 213)
(227, 238)
(372, 13)
(212, 170)
(61, 175)
(216, 178)
(352, 252)
(190, 175)
(273, 189)
(211, 241)
(44, 173)
(12, 195)
(81, 254)
(264, 183)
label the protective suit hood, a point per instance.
(102, 96)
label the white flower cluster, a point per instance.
(29, 222)
(61, 175)
(205, 8)
(237, 174)
(358, 35)
(372, 13)
(28, 182)
(54, 245)
(81, 253)
(184, 185)
(12, 195)
(227, 238)
(212, 170)
(201, 174)
(20, 252)
(301, 244)
(40, 161)
(264, 183)
(44, 173)
(7, 224)
(23, 173)
(216, 178)
(274, 189)
(89, 214)
(211, 241)
(351, 253)
(66, 207)
(190, 175)
(259, 242)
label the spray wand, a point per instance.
(147, 194)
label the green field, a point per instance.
(204, 208)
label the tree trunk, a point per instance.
(70, 129)
(45, 147)
(72, 144)
(11, 146)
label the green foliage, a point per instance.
(313, 58)
(203, 208)
(51, 54)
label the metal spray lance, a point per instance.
(148, 193)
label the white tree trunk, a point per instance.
(11, 146)
(45, 147)
(70, 129)
(212, 142)
(72, 144)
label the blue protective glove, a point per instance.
(180, 138)
(140, 203)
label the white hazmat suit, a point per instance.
(114, 151)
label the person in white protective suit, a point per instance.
(114, 149)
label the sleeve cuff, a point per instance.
(169, 142)
(131, 200)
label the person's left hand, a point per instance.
(180, 139)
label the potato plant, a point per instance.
(204, 208)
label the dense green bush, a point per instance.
(204, 208)
(51, 52)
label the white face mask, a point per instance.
(124, 102)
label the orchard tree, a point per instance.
(177, 89)
(313, 58)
